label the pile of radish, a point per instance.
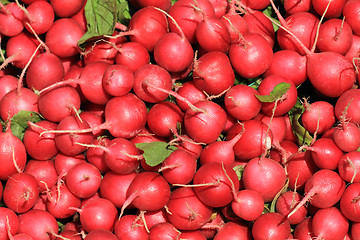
(179, 120)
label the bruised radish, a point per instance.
(186, 211)
(213, 73)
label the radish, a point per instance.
(44, 228)
(62, 37)
(39, 17)
(179, 167)
(163, 4)
(11, 15)
(100, 234)
(286, 202)
(165, 231)
(64, 163)
(276, 125)
(189, 91)
(66, 8)
(349, 202)
(93, 119)
(329, 223)
(349, 167)
(288, 64)
(9, 223)
(248, 205)
(83, 180)
(43, 171)
(355, 229)
(154, 217)
(173, 51)
(347, 136)
(264, 175)
(303, 230)
(255, 141)
(114, 187)
(335, 35)
(133, 55)
(193, 235)
(294, 6)
(213, 73)
(282, 152)
(252, 56)
(333, 11)
(98, 214)
(271, 225)
(130, 227)
(323, 190)
(187, 15)
(96, 156)
(212, 121)
(163, 118)
(7, 83)
(186, 211)
(117, 80)
(235, 230)
(146, 186)
(256, 5)
(20, 192)
(346, 105)
(350, 12)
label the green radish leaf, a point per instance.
(278, 91)
(239, 169)
(101, 17)
(123, 11)
(269, 11)
(155, 152)
(19, 122)
(302, 136)
(4, 2)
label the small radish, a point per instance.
(271, 225)
(350, 12)
(164, 230)
(213, 73)
(9, 223)
(349, 167)
(64, 163)
(133, 55)
(347, 104)
(286, 202)
(350, 202)
(248, 205)
(334, 10)
(43, 171)
(347, 136)
(256, 5)
(303, 230)
(130, 227)
(96, 156)
(283, 152)
(220, 7)
(21, 192)
(66, 8)
(39, 17)
(329, 223)
(11, 18)
(186, 211)
(294, 6)
(7, 83)
(235, 230)
(154, 217)
(189, 91)
(117, 80)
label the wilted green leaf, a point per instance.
(19, 122)
(155, 152)
(278, 91)
(101, 17)
(302, 136)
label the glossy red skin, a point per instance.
(236, 230)
(271, 225)
(118, 80)
(67, 8)
(189, 91)
(14, 19)
(7, 83)
(294, 6)
(343, 101)
(334, 10)
(42, 16)
(349, 202)
(43, 171)
(133, 55)
(248, 205)
(130, 227)
(286, 203)
(347, 166)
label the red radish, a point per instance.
(220, 151)
(235, 23)
(329, 223)
(212, 121)
(7, 83)
(85, 201)
(163, 4)
(335, 35)
(43, 171)
(213, 73)
(62, 37)
(276, 125)
(347, 136)
(212, 34)
(220, 7)
(186, 211)
(40, 148)
(173, 51)
(83, 180)
(255, 141)
(9, 223)
(40, 16)
(303, 230)
(289, 131)
(67, 143)
(347, 104)
(114, 186)
(96, 156)
(354, 51)
(323, 190)
(282, 152)
(44, 70)
(64, 163)
(187, 15)
(281, 105)
(189, 91)
(133, 55)
(350, 12)
(236, 230)
(163, 118)
(61, 202)
(117, 80)
(192, 235)
(349, 202)
(294, 6)
(12, 155)
(252, 56)
(288, 64)
(248, 205)
(240, 101)
(130, 227)
(100, 234)
(147, 76)
(44, 228)
(93, 119)
(69, 234)
(148, 191)
(213, 226)
(334, 10)
(185, 143)
(179, 167)
(286, 202)
(98, 214)
(66, 8)
(11, 15)
(20, 192)
(265, 176)
(165, 231)
(271, 225)
(147, 26)
(349, 167)
(256, 5)
(318, 116)
(154, 217)
(355, 230)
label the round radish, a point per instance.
(349, 202)
(347, 104)
(334, 9)
(163, 4)
(133, 55)
(189, 91)
(271, 225)
(117, 80)
(7, 83)
(349, 166)
(303, 230)
(39, 17)
(164, 231)
(64, 163)
(9, 223)
(11, 18)
(66, 8)
(43, 171)
(347, 136)
(318, 116)
(248, 204)
(235, 24)
(96, 155)
(350, 12)
(286, 202)
(130, 227)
